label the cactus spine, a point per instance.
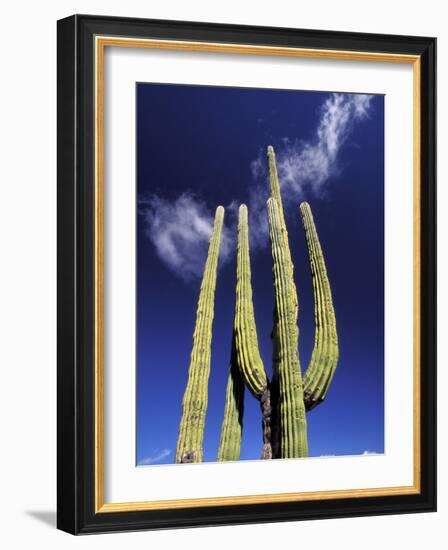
(232, 425)
(325, 354)
(194, 404)
(291, 408)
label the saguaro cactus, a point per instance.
(287, 397)
(291, 407)
(325, 354)
(232, 425)
(194, 404)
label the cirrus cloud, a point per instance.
(180, 231)
(156, 457)
(312, 163)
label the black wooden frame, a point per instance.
(76, 512)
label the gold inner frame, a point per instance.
(101, 42)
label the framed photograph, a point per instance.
(246, 274)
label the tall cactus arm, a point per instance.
(294, 304)
(274, 183)
(324, 358)
(250, 362)
(292, 416)
(195, 400)
(249, 359)
(232, 424)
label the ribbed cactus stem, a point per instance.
(275, 183)
(232, 424)
(249, 359)
(292, 417)
(325, 354)
(195, 400)
(276, 194)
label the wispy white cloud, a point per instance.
(257, 166)
(157, 457)
(180, 231)
(312, 163)
(305, 166)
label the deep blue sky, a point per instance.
(203, 140)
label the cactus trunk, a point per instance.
(291, 408)
(249, 360)
(325, 354)
(195, 400)
(232, 425)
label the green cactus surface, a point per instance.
(275, 184)
(276, 194)
(292, 425)
(325, 354)
(195, 400)
(249, 360)
(232, 424)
